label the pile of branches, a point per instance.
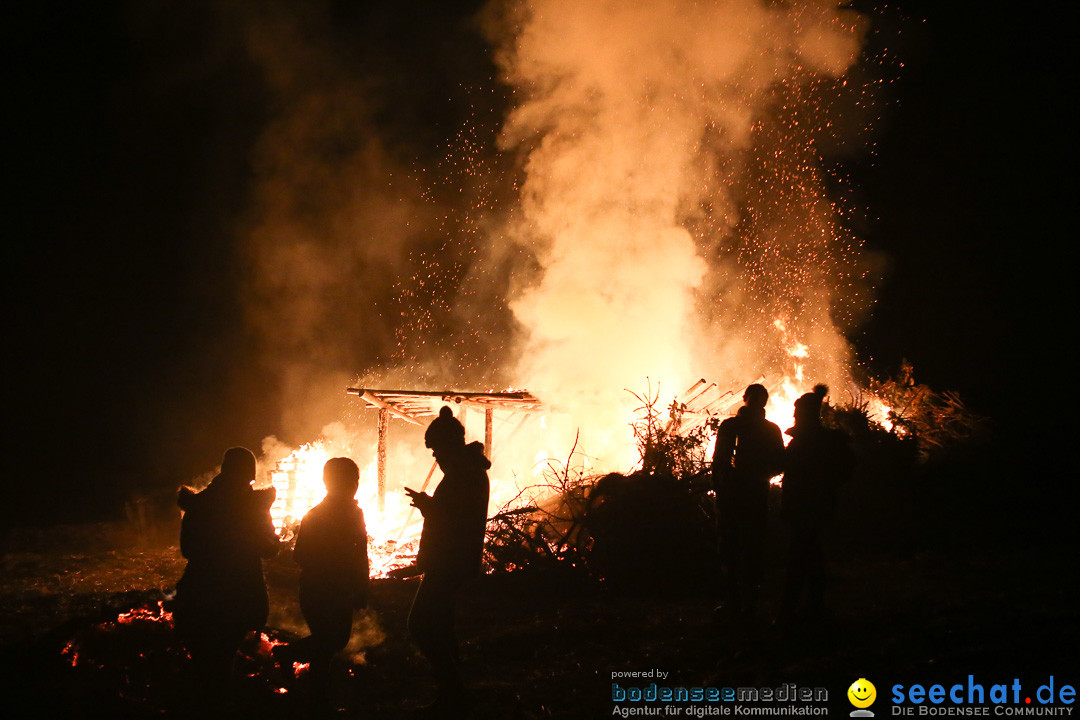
(664, 449)
(657, 523)
(545, 523)
(937, 421)
(640, 529)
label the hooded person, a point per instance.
(450, 554)
(749, 452)
(817, 462)
(225, 533)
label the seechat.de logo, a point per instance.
(862, 694)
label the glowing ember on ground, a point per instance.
(148, 614)
(71, 652)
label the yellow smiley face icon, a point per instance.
(862, 693)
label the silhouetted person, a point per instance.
(451, 547)
(817, 462)
(331, 550)
(225, 533)
(749, 451)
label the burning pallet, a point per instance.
(704, 400)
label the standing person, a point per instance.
(225, 533)
(451, 548)
(331, 550)
(749, 452)
(817, 463)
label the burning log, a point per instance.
(384, 421)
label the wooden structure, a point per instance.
(419, 406)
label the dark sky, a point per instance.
(128, 359)
(971, 190)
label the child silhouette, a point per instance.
(331, 550)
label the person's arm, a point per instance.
(421, 501)
(363, 565)
(300, 551)
(193, 543)
(777, 451)
(723, 452)
(267, 542)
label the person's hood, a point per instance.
(751, 412)
(806, 428)
(187, 498)
(474, 454)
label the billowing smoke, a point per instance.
(671, 217)
(674, 199)
(332, 221)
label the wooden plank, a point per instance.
(488, 414)
(373, 400)
(701, 391)
(384, 422)
(410, 405)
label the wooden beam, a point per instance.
(368, 397)
(400, 399)
(697, 390)
(488, 415)
(384, 423)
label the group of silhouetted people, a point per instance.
(750, 452)
(227, 530)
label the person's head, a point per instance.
(755, 396)
(445, 433)
(341, 477)
(238, 465)
(808, 406)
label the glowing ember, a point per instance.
(157, 613)
(71, 652)
(267, 643)
(86, 649)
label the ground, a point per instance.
(959, 584)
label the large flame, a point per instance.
(674, 202)
(393, 526)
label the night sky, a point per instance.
(129, 363)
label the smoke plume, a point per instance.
(671, 217)
(334, 216)
(673, 199)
